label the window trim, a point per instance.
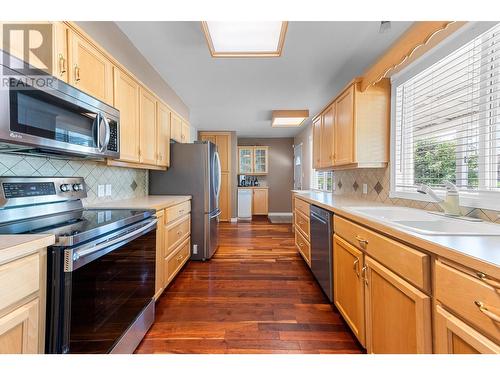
(313, 182)
(477, 199)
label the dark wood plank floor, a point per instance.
(255, 296)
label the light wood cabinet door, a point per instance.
(163, 135)
(60, 65)
(245, 160)
(160, 244)
(260, 159)
(259, 202)
(349, 285)
(19, 330)
(453, 336)
(344, 128)
(210, 138)
(224, 197)
(223, 146)
(90, 70)
(147, 110)
(327, 137)
(185, 132)
(175, 127)
(317, 143)
(126, 100)
(398, 315)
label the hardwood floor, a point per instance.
(256, 295)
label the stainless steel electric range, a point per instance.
(100, 271)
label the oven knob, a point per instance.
(77, 187)
(65, 187)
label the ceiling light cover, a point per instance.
(289, 118)
(245, 39)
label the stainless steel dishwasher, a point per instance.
(321, 248)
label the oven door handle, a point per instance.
(72, 255)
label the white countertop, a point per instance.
(14, 246)
(148, 202)
(479, 252)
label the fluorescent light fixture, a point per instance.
(245, 39)
(289, 118)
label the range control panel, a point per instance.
(15, 191)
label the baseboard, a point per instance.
(233, 220)
(279, 214)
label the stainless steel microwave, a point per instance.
(41, 115)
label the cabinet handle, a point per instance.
(62, 64)
(484, 309)
(361, 240)
(179, 232)
(77, 73)
(301, 222)
(181, 211)
(483, 277)
(363, 275)
(301, 244)
(355, 267)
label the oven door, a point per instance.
(96, 298)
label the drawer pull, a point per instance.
(301, 222)
(484, 309)
(301, 244)
(361, 240)
(355, 267)
(179, 232)
(181, 211)
(363, 275)
(483, 277)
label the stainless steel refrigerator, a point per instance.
(194, 170)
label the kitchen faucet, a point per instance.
(450, 205)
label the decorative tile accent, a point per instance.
(378, 181)
(126, 182)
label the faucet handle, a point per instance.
(450, 187)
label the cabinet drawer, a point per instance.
(176, 260)
(303, 223)
(303, 246)
(18, 279)
(302, 206)
(409, 263)
(177, 211)
(176, 232)
(470, 297)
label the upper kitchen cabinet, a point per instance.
(126, 100)
(163, 135)
(176, 127)
(90, 69)
(253, 160)
(185, 132)
(148, 139)
(354, 129)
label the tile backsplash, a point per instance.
(350, 183)
(125, 182)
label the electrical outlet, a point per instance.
(100, 191)
(195, 249)
(365, 189)
(108, 190)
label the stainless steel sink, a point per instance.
(425, 222)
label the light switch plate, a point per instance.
(365, 189)
(100, 191)
(108, 190)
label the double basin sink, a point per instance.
(427, 223)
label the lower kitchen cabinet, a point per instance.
(349, 286)
(398, 315)
(173, 243)
(19, 330)
(303, 246)
(260, 202)
(453, 336)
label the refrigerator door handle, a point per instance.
(219, 173)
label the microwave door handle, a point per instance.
(108, 133)
(97, 125)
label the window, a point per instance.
(323, 180)
(446, 121)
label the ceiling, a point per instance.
(318, 59)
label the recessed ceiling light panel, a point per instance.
(245, 39)
(289, 118)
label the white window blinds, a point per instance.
(447, 120)
(323, 180)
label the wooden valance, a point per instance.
(418, 39)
